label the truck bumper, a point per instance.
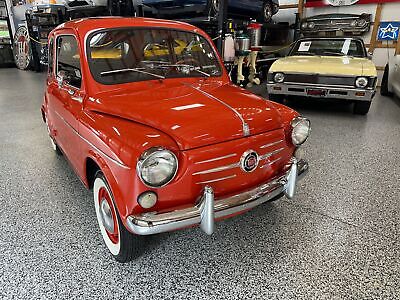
(209, 209)
(321, 91)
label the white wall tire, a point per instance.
(123, 245)
(100, 189)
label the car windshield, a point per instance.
(136, 54)
(329, 47)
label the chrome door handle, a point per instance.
(71, 92)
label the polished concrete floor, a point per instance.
(339, 239)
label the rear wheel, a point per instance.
(361, 107)
(385, 83)
(123, 245)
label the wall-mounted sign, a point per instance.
(388, 31)
(320, 3)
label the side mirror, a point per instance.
(369, 55)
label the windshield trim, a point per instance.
(328, 39)
(100, 30)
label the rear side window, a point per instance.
(68, 60)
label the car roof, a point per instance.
(85, 25)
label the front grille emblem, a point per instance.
(249, 161)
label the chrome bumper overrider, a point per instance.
(208, 209)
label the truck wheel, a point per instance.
(385, 83)
(212, 7)
(361, 107)
(267, 12)
(276, 98)
(123, 245)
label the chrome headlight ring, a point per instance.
(361, 82)
(279, 77)
(301, 129)
(157, 167)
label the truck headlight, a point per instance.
(361, 82)
(301, 129)
(157, 167)
(279, 77)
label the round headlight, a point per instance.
(361, 82)
(279, 77)
(311, 25)
(304, 25)
(157, 167)
(301, 128)
(353, 23)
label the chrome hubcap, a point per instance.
(106, 215)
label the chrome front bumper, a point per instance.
(209, 209)
(333, 92)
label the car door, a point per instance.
(67, 94)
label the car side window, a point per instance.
(50, 58)
(68, 60)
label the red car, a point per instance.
(145, 112)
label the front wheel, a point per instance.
(123, 245)
(361, 107)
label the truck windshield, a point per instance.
(137, 54)
(329, 47)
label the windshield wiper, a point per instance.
(190, 67)
(304, 53)
(131, 70)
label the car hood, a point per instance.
(194, 114)
(326, 65)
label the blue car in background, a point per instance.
(263, 10)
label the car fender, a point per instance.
(116, 145)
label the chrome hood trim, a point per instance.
(245, 126)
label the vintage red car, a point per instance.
(144, 111)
